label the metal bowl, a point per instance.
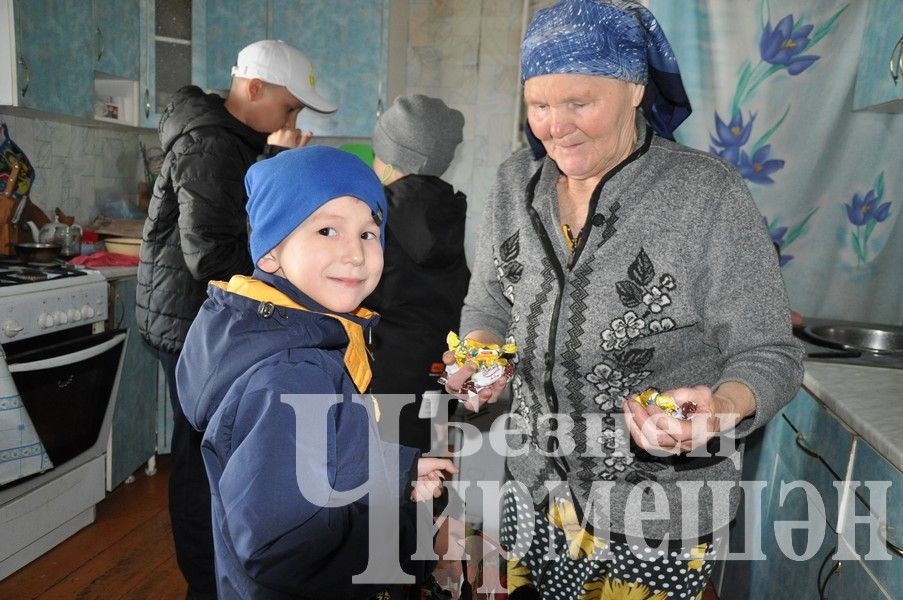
(37, 252)
(876, 339)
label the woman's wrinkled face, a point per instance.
(586, 123)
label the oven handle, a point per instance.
(68, 359)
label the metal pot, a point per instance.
(37, 252)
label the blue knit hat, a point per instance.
(618, 39)
(286, 189)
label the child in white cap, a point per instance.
(196, 231)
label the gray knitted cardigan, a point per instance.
(674, 283)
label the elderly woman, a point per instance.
(618, 260)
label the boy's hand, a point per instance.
(431, 472)
(289, 137)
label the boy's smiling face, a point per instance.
(334, 256)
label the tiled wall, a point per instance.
(78, 168)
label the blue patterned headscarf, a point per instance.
(619, 39)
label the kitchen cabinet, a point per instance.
(164, 414)
(59, 50)
(879, 80)
(805, 442)
(116, 28)
(66, 47)
(347, 42)
(54, 57)
(869, 466)
(230, 26)
(168, 28)
(133, 435)
(849, 579)
(801, 444)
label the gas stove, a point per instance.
(22, 273)
(59, 378)
(39, 298)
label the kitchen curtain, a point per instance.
(771, 83)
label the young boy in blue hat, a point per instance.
(284, 469)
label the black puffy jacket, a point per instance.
(421, 292)
(196, 228)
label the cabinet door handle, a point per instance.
(27, 74)
(823, 585)
(800, 438)
(834, 571)
(146, 103)
(102, 44)
(896, 66)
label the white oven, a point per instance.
(59, 376)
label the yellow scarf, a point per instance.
(355, 358)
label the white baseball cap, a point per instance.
(276, 62)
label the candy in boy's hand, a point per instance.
(492, 361)
(666, 403)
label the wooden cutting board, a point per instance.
(130, 228)
(7, 207)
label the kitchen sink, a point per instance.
(873, 339)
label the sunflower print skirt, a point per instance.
(564, 561)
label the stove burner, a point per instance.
(15, 273)
(31, 275)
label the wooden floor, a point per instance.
(126, 553)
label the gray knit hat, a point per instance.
(418, 135)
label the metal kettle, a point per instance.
(67, 237)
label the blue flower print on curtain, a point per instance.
(780, 49)
(782, 237)
(731, 136)
(758, 167)
(782, 45)
(865, 213)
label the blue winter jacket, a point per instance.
(254, 340)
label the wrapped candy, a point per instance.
(493, 361)
(666, 403)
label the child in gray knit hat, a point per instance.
(425, 277)
(417, 135)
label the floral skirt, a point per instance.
(563, 560)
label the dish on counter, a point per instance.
(122, 245)
(864, 338)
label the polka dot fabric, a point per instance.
(541, 558)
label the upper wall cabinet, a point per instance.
(54, 51)
(167, 53)
(347, 42)
(59, 49)
(230, 26)
(54, 54)
(879, 80)
(117, 31)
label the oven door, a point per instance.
(69, 389)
